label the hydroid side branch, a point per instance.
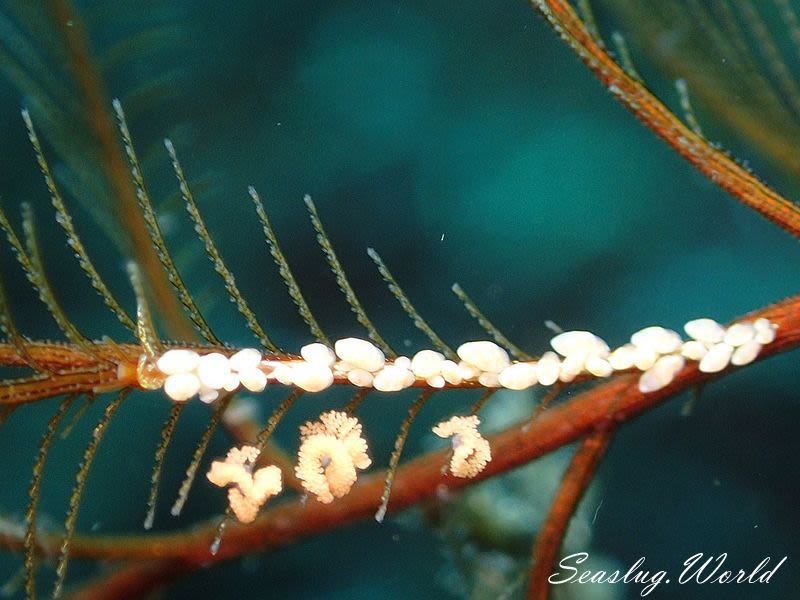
(712, 162)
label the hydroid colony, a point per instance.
(333, 450)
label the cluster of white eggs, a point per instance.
(187, 373)
(658, 352)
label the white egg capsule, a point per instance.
(207, 395)
(658, 339)
(572, 365)
(705, 330)
(598, 366)
(623, 358)
(283, 374)
(254, 379)
(573, 342)
(650, 381)
(765, 331)
(467, 371)
(762, 324)
(451, 373)
(181, 386)
(739, 334)
(765, 337)
(427, 363)
(671, 363)
(653, 379)
(485, 355)
(177, 361)
(694, 350)
(548, 368)
(360, 353)
(360, 378)
(392, 378)
(489, 380)
(644, 358)
(718, 357)
(661, 373)
(213, 370)
(519, 376)
(311, 377)
(318, 353)
(342, 368)
(245, 359)
(746, 353)
(437, 381)
(403, 362)
(566, 376)
(232, 382)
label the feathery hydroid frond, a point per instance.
(399, 443)
(167, 429)
(354, 402)
(31, 265)
(80, 482)
(487, 325)
(409, 309)
(145, 330)
(199, 452)
(34, 261)
(686, 106)
(65, 221)
(5, 412)
(9, 328)
(285, 271)
(272, 422)
(154, 231)
(343, 282)
(481, 402)
(86, 404)
(624, 55)
(771, 55)
(213, 254)
(34, 494)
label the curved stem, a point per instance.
(615, 401)
(711, 161)
(574, 484)
(91, 89)
(132, 581)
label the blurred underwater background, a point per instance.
(465, 143)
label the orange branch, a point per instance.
(576, 480)
(615, 401)
(132, 581)
(53, 355)
(116, 168)
(38, 387)
(108, 367)
(712, 162)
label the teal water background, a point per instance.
(466, 144)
